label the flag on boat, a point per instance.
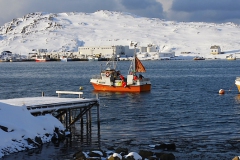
(139, 66)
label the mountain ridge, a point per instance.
(69, 30)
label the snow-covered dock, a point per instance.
(67, 110)
(43, 105)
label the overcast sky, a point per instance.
(217, 11)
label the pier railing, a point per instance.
(69, 92)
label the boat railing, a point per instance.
(146, 79)
(96, 77)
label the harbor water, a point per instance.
(183, 107)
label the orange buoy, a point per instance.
(221, 91)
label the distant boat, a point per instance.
(43, 58)
(91, 58)
(198, 58)
(14, 59)
(111, 80)
(4, 60)
(237, 83)
(231, 57)
(65, 59)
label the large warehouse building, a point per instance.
(105, 51)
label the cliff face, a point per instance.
(29, 23)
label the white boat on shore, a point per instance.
(4, 60)
(14, 59)
(91, 58)
(198, 58)
(43, 58)
(65, 59)
(231, 57)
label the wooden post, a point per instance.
(98, 118)
(87, 128)
(90, 121)
(66, 118)
(81, 119)
(90, 115)
(87, 121)
(69, 118)
(81, 125)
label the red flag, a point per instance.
(139, 66)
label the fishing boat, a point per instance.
(43, 58)
(111, 79)
(15, 59)
(198, 58)
(237, 83)
(92, 58)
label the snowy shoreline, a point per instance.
(19, 130)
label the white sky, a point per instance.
(177, 10)
(166, 4)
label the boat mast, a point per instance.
(132, 67)
(110, 63)
(134, 58)
(113, 58)
(116, 62)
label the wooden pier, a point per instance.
(67, 110)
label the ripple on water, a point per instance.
(183, 106)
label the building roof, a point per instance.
(214, 47)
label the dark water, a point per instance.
(183, 106)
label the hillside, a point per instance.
(67, 31)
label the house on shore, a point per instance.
(215, 50)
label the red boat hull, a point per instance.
(37, 60)
(42, 59)
(129, 88)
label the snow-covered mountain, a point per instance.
(68, 31)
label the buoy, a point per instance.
(221, 91)
(80, 88)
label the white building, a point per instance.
(6, 53)
(215, 49)
(5, 56)
(166, 55)
(151, 52)
(104, 51)
(149, 48)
